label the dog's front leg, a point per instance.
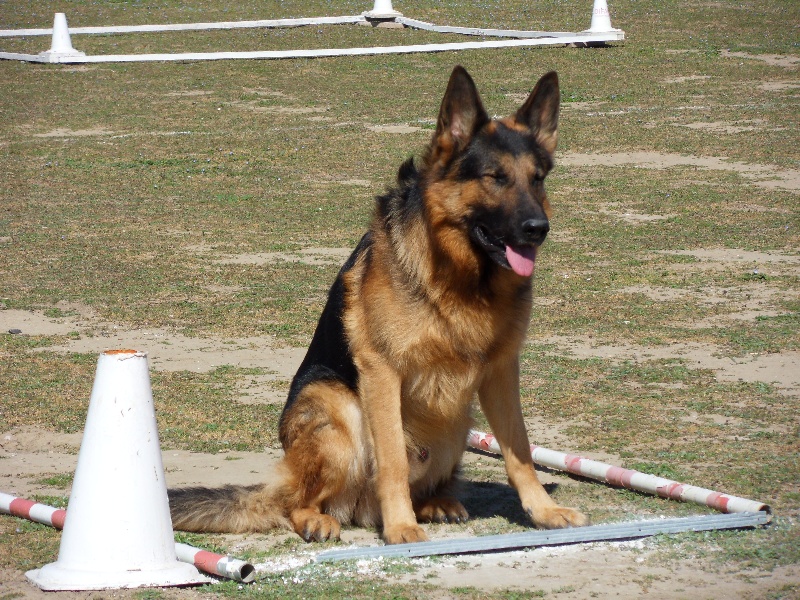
(499, 398)
(379, 388)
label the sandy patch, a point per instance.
(63, 132)
(65, 68)
(745, 299)
(577, 105)
(167, 350)
(774, 60)
(292, 110)
(356, 182)
(394, 128)
(189, 93)
(256, 106)
(745, 303)
(269, 93)
(761, 175)
(633, 218)
(686, 78)
(30, 454)
(584, 571)
(308, 256)
(271, 388)
(718, 127)
(779, 86)
(577, 572)
(774, 263)
(341, 181)
(782, 370)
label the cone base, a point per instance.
(600, 30)
(54, 577)
(382, 14)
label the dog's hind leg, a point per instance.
(440, 509)
(321, 438)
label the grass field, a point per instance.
(182, 197)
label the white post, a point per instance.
(382, 10)
(61, 46)
(601, 18)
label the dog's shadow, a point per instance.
(484, 500)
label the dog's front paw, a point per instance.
(314, 526)
(557, 517)
(404, 534)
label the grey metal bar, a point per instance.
(511, 541)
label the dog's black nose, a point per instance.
(535, 230)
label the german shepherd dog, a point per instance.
(429, 311)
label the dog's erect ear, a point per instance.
(461, 114)
(540, 111)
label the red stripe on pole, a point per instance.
(620, 477)
(673, 491)
(718, 501)
(58, 518)
(486, 442)
(207, 561)
(20, 507)
(573, 464)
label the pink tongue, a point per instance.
(521, 259)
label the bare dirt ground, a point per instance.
(620, 570)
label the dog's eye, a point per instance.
(499, 177)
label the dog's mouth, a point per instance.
(519, 258)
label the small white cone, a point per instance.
(118, 532)
(601, 19)
(61, 46)
(382, 9)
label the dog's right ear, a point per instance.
(460, 116)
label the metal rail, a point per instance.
(527, 539)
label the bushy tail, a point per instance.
(230, 509)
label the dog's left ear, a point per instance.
(540, 111)
(460, 116)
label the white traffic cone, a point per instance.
(61, 47)
(382, 9)
(601, 19)
(118, 531)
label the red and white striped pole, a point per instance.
(208, 562)
(32, 511)
(216, 564)
(627, 478)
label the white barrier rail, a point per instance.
(61, 50)
(264, 23)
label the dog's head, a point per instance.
(486, 177)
